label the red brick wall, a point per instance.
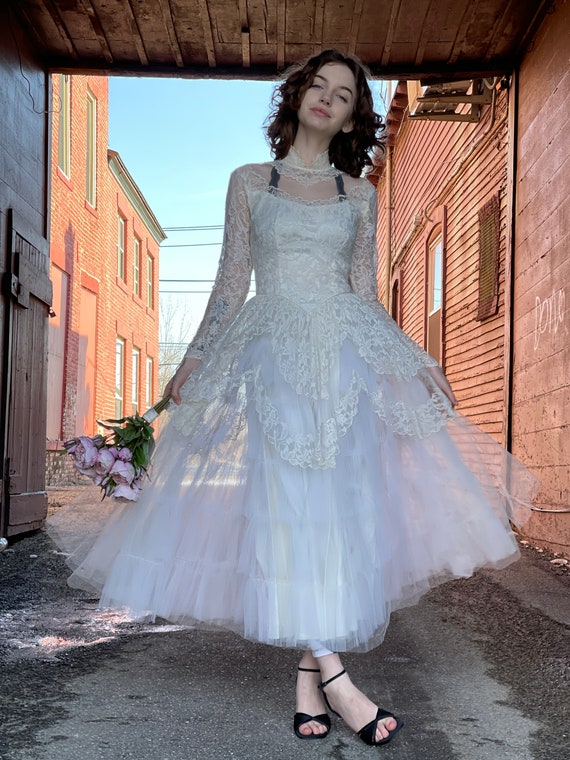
(84, 245)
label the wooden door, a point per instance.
(27, 294)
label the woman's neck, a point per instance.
(309, 146)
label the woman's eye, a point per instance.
(343, 98)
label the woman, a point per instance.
(314, 474)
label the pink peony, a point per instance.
(125, 454)
(124, 492)
(85, 453)
(122, 472)
(105, 460)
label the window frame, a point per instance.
(64, 126)
(120, 353)
(121, 246)
(149, 281)
(137, 248)
(135, 378)
(436, 233)
(91, 151)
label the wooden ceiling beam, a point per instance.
(426, 74)
(166, 12)
(355, 26)
(318, 24)
(245, 41)
(136, 32)
(53, 13)
(207, 31)
(394, 13)
(463, 31)
(91, 13)
(281, 26)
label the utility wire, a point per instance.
(192, 229)
(187, 245)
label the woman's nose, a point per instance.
(325, 97)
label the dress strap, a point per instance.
(274, 180)
(340, 187)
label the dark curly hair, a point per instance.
(349, 152)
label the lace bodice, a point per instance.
(304, 241)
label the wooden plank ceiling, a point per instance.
(429, 39)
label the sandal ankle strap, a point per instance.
(309, 670)
(326, 683)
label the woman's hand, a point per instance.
(442, 383)
(179, 378)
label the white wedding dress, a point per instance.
(314, 478)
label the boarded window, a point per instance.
(489, 238)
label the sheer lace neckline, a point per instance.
(320, 163)
(292, 166)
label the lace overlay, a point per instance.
(314, 257)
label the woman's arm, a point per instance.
(231, 285)
(364, 282)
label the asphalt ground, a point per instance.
(478, 670)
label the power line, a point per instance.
(188, 245)
(177, 280)
(192, 229)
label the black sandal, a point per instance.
(301, 718)
(368, 732)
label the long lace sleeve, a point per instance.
(234, 271)
(363, 273)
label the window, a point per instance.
(119, 376)
(64, 125)
(149, 373)
(91, 158)
(489, 249)
(135, 379)
(121, 237)
(396, 297)
(149, 281)
(434, 296)
(136, 266)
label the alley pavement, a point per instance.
(479, 670)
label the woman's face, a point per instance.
(328, 104)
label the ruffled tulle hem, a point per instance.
(231, 533)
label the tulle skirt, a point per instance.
(302, 520)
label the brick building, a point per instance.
(104, 252)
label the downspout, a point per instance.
(510, 259)
(388, 267)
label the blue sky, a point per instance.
(180, 139)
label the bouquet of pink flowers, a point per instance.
(118, 462)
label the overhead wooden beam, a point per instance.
(61, 28)
(245, 41)
(281, 26)
(426, 74)
(91, 13)
(318, 23)
(355, 26)
(462, 32)
(166, 12)
(394, 13)
(136, 32)
(506, 18)
(207, 31)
